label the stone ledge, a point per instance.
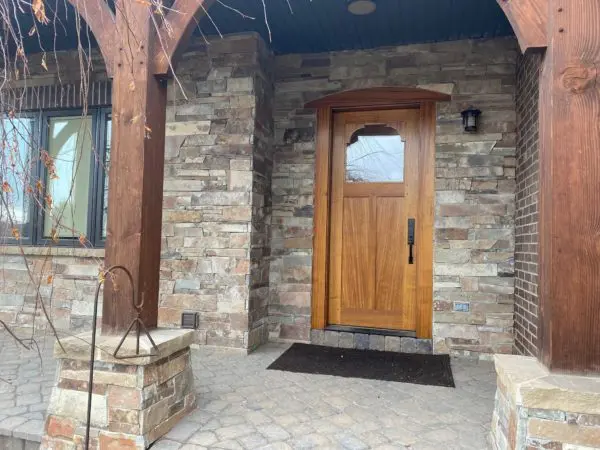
(168, 342)
(30, 250)
(529, 384)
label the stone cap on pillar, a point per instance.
(530, 384)
(168, 341)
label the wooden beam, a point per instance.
(569, 221)
(135, 53)
(175, 32)
(101, 21)
(377, 97)
(426, 206)
(529, 20)
(135, 189)
(320, 262)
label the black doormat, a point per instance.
(434, 370)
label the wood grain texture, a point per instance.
(335, 220)
(377, 98)
(529, 20)
(424, 226)
(391, 253)
(136, 172)
(320, 260)
(357, 269)
(370, 189)
(101, 21)
(176, 31)
(570, 190)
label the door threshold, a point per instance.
(379, 331)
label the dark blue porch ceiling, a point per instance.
(312, 25)
(325, 25)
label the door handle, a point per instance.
(411, 240)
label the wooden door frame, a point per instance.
(376, 98)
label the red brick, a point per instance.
(116, 442)
(60, 427)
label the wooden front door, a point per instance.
(375, 186)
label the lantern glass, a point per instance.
(470, 118)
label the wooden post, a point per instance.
(138, 56)
(569, 191)
(569, 230)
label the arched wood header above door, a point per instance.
(377, 97)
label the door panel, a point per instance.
(373, 193)
(390, 254)
(358, 288)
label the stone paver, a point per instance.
(241, 405)
(26, 379)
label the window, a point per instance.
(15, 170)
(375, 155)
(54, 186)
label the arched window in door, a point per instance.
(375, 154)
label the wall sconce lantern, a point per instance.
(470, 117)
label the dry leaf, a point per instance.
(82, 239)
(39, 10)
(54, 235)
(50, 279)
(44, 62)
(16, 234)
(32, 31)
(6, 187)
(49, 201)
(39, 186)
(101, 274)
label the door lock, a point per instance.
(411, 240)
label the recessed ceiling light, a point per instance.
(361, 7)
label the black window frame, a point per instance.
(93, 233)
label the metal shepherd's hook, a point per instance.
(137, 322)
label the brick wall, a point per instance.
(474, 227)
(526, 216)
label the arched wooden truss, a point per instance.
(166, 43)
(529, 20)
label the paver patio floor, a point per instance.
(241, 405)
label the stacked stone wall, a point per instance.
(475, 182)
(216, 206)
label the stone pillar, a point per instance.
(134, 401)
(536, 409)
(217, 208)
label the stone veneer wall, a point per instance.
(535, 409)
(475, 182)
(216, 212)
(217, 193)
(526, 217)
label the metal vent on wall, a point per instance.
(189, 320)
